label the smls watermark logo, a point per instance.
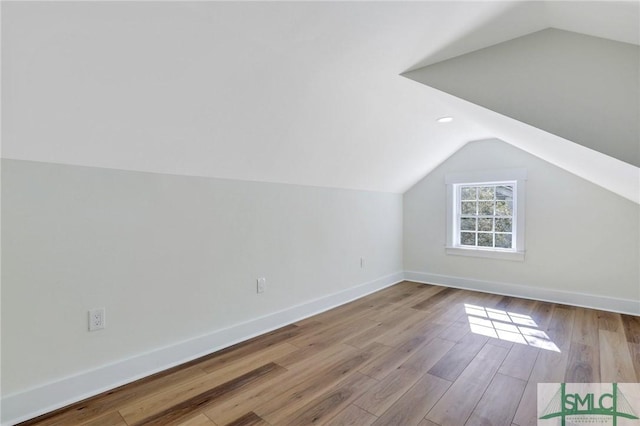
(567, 404)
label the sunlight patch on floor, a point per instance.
(509, 326)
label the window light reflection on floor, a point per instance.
(508, 326)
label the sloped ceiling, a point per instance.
(565, 86)
(583, 88)
(294, 92)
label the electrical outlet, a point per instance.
(97, 319)
(262, 285)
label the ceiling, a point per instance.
(305, 93)
(572, 97)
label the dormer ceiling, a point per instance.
(580, 89)
(306, 93)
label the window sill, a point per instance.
(491, 254)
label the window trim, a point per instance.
(454, 180)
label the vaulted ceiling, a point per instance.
(568, 98)
(306, 93)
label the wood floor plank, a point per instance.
(257, 343)
(504, 302)
(223, 412)
(426, 422)
(408, 321)
(199, 420)
(384, 394)
(352, 416)
(249, 419)
(457, 404)
(268, 354)
(499, 403)
(427, 355)
(519, 362)
(335, 333)
(381, 396)
(455, 332)
(609, 321)
(526, 414)
(426, 291)
(421, 327)
(390, 322)
(110, 419)
(350, 310)
(560, 327)
(631, 325)
(616, 364)
(583, 365)
(550, 367)
(178, 412)
(634, 351)
(410, 292)
(541, 314)
(277, 408)
(379, 367)
(460, 355)
(322, 408)
(184, 391)
(390, 299)
(452, 309)
(521, 306)
(585, 327)
(317, 355)
(439, 297)
(503, 343)
(411, 407)
(488, 300)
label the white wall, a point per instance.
(170, 258)
(580, 238)
(174, 260)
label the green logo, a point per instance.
(565, 404)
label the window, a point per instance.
(485, 214)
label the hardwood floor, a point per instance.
(411, 354)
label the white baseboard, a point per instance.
(625, 306)
(34, 402)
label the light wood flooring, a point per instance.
(411, 354)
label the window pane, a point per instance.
(468, 238)
(468, 207)
(468, 192)
(504, 193)
(485, 224)
(503, 225)
(485, 239)
(504, 208)
(503, 240)
(485, 215)
(486, 192)
(485, 208)
(468, 224)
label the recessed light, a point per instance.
(445, 120)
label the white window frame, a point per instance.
(515, 177)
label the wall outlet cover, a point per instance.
(262, 285)
(97, 319)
